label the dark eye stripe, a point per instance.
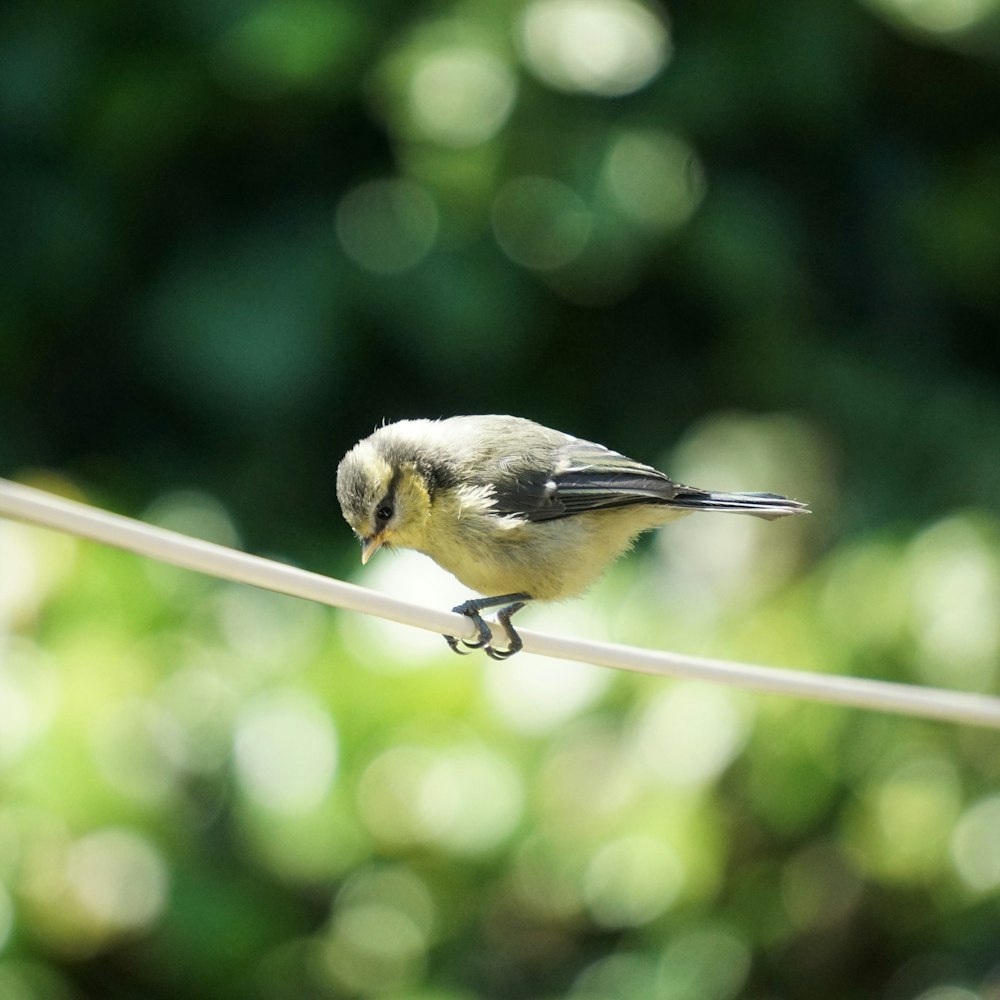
(387, 505)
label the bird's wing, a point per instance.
(581, 477)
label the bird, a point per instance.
(516, 511)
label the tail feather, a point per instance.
(766, 505)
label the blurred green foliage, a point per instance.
(755, 243)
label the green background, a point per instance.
(754, 243)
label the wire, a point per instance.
(34, 506)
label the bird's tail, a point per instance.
(766, 505)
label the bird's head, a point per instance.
(384, 498)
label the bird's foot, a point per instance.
(514, 643)
(472, 609)
(485, 635)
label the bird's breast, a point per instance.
(549, 560)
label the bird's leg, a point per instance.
(471, 609)
(514, 643)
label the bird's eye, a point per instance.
(384, 513)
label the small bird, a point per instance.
(515, 510)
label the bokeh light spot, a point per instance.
(949, 992)
(136, 746)
(911, 815)
(474, 796)
(29, 692)
(374, 947)
(631, 881)
(540, 223)
(461, 96)
(955, 588)
(940, 17)
(380, 929)
(975, 845)
(19, 583)
(466, 799)
(707, 963)
(286, 751)
(690, 733)
(202, 706)
(586, 776)
(386, 795)
(27, 979)
(621, 975)
(603, 47)
(118, 877)
(387, 226)
(271, 633)
(655, 179)
(864, 600)
(32, 564)
(391, 885)
(533, 696)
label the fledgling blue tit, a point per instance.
(515, 510)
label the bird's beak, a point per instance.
(371, 545)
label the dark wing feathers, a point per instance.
(584, 476)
